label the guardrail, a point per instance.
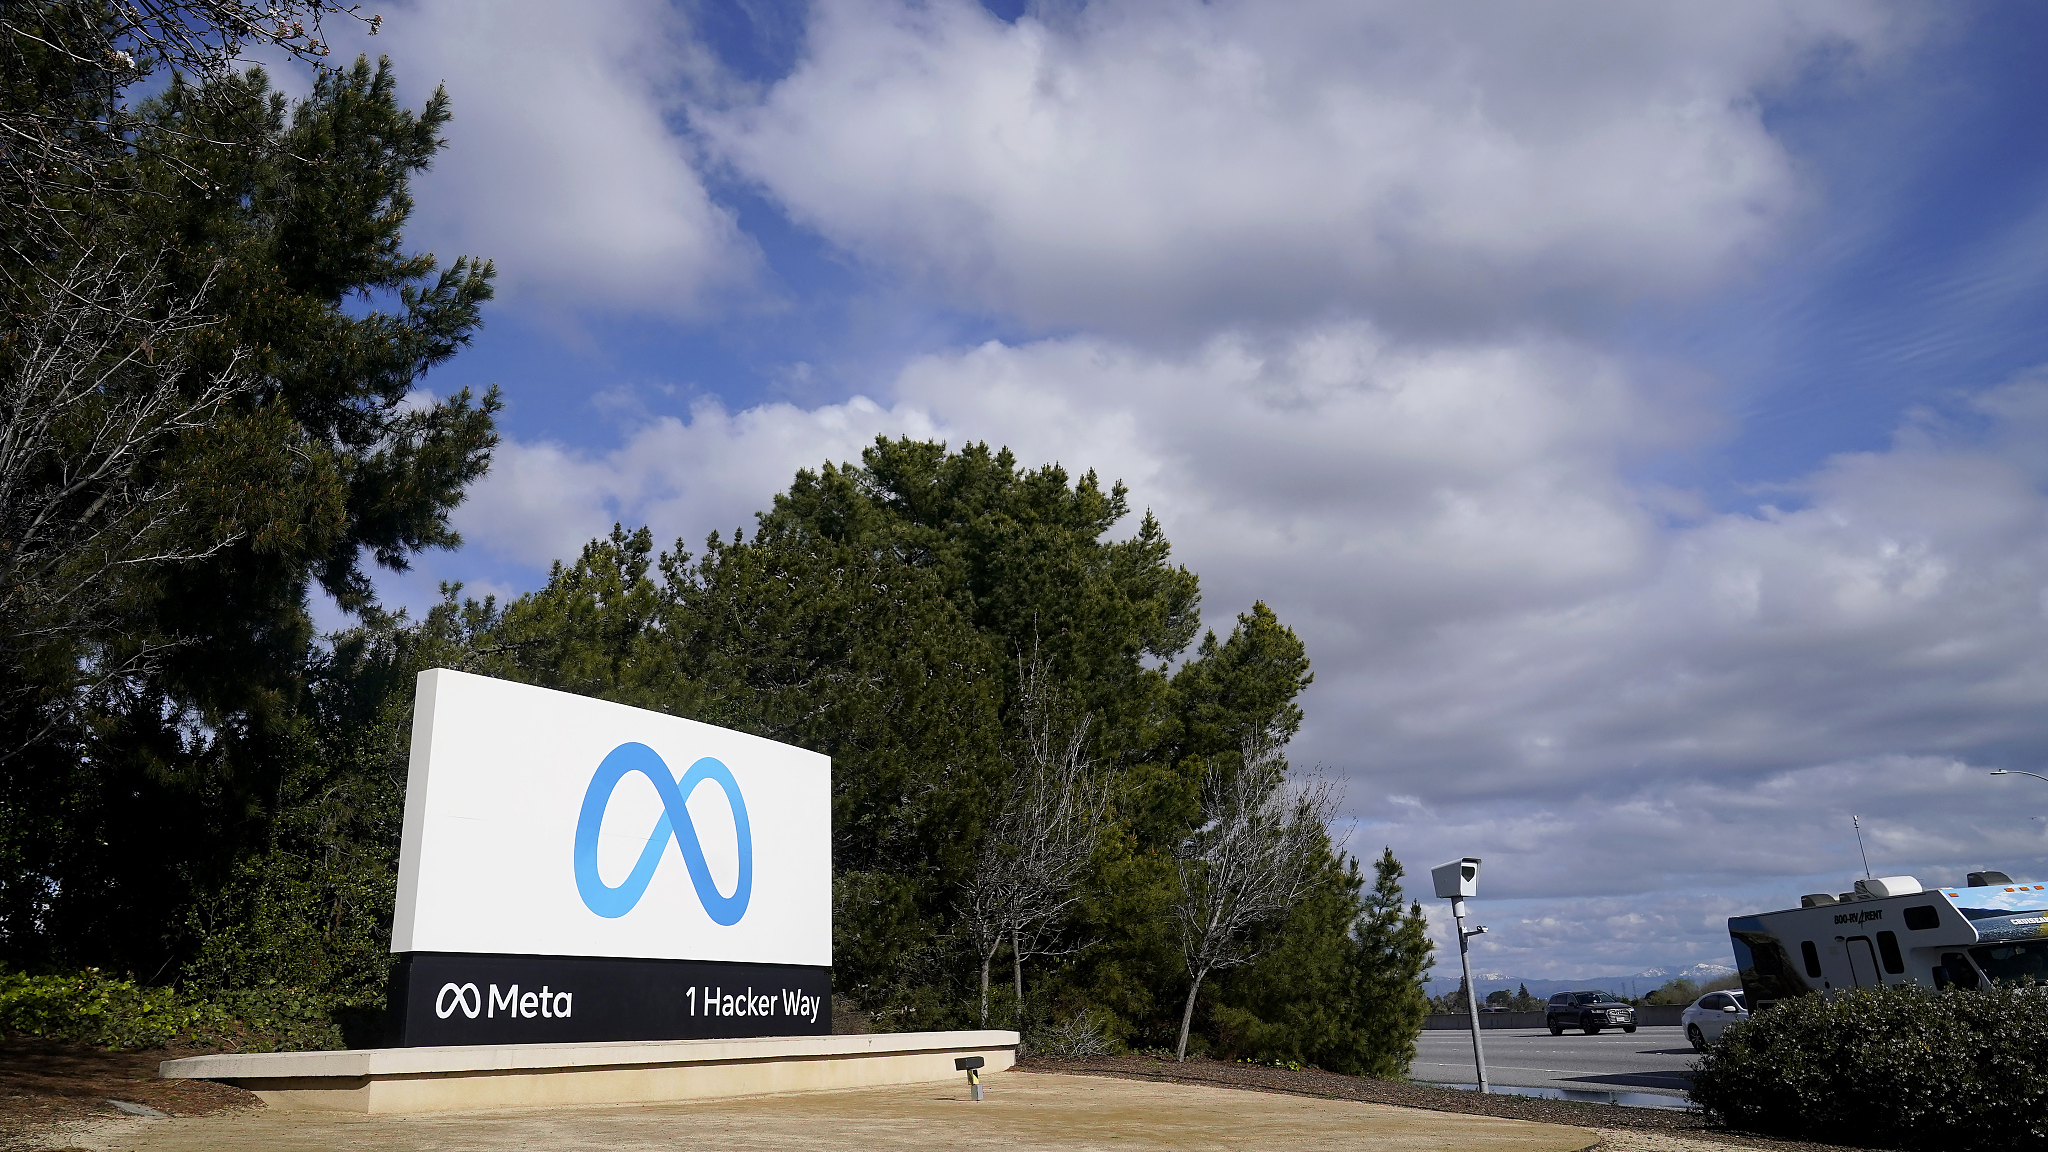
(1647, 1016)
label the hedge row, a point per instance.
(91, 1008)
(1888, 1068)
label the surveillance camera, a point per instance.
(1458, 879)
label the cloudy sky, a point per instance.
(1638, 409)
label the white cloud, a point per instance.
(1169, 165)
(1516, 656)
(1644, 713)
(684, 479)
(1452, 529)
(1647, 872)
(563, 164)
(1374, 492)
(1897, 611)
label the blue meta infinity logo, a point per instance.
(613, 903)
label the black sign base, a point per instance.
(440, 998)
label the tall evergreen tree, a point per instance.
(191, 786)
(285, 224)
(878, 615)
(1391, 959)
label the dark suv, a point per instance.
(1591, 1010)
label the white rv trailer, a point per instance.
(1893, 931)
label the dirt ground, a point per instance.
(1025, 1113)
(57, 1096)
(1632, 1129)
(47, 1082)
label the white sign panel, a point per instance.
(541, 823)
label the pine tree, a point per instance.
(1392, 959)
(878, 614)
(127, 799)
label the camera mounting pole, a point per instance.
(1455, 881)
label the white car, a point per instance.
(1711, 1013)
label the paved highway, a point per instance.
(1655, 1060)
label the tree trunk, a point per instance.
(987, 959)
(1017, 961)
(1187, 1015)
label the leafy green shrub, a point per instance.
(1888, 1068)
(91, 1008)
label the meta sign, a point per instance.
(574, 870)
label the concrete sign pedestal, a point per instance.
(474, 1077)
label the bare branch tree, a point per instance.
(63, 136)
(1039, 845)
(1255, 854)
(96, 380)
(200, 36)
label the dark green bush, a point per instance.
(91, 1008)
(1888, 1068)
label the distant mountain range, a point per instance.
(1635, 984)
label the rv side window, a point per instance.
(1812, 957)
(1888, 951)
(1921, 917)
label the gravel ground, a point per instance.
(1624, 1129)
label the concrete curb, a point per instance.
(405, 1080)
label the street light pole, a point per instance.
(2017, 772)
(1454, 882)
